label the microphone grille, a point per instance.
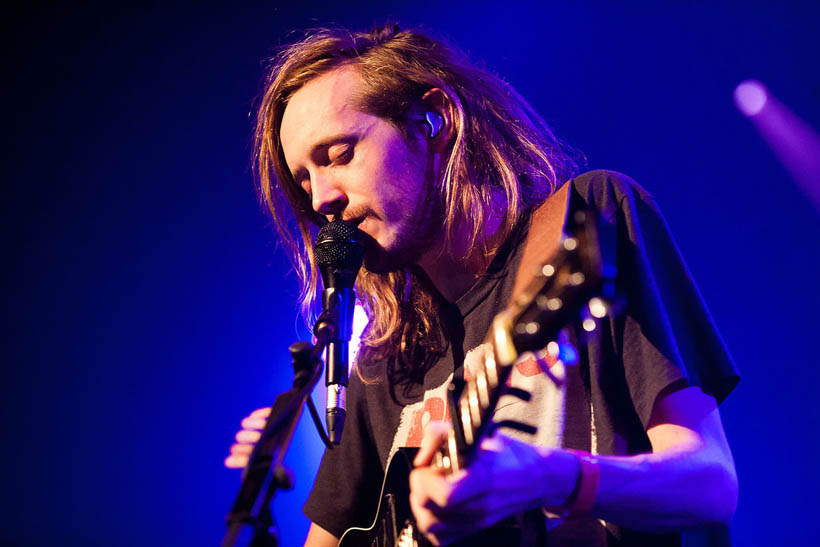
(339, 245)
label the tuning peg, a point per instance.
(597, 308)
(569, 243)
(563, 350)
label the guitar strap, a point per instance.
(547, 223)
(546, 227)
(544, 236)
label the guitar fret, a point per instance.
(452, 446)
(481, 387)
(466, 422)
(502, 341)
(491, 369)
(438, 461)
(475, 410)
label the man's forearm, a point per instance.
(319, 537)
(672, 490)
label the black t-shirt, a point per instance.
(664, 337)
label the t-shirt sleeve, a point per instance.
(666, 334)
(347, 485)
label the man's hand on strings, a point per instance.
(506, 478)
(252, 426)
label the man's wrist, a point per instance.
(580, 502)
(562, 476)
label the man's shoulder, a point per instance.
(604, 190)
(600, 180)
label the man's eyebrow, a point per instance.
(322, 146)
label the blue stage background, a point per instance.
(148, 308)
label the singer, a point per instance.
(457, 187)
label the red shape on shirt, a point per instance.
(436, 409)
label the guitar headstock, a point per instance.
(575, 285)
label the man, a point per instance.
(449, 174)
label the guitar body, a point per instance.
(394, 506)
(394, 524)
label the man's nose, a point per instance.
(328, 197)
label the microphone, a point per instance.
(339, 251)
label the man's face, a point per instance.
(360, 168)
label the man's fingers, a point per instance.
(467, 490)
(236, 461)
(241, 449)
(421, 503)
(430, 488)
(260, 413)
(247, 437)
(434, 435)
(429, 500)
(252, 422)
(424, 521)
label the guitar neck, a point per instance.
(554, 297)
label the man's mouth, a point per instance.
(355, 220)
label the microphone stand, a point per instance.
(264, 473)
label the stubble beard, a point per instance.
(415, 235)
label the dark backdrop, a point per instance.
(148, 308)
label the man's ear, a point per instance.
(438, 102)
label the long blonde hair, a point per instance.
(500, 145)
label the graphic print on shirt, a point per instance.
(545, 409)
(433, 407)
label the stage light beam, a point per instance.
(795, 143)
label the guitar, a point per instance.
(562, 289)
